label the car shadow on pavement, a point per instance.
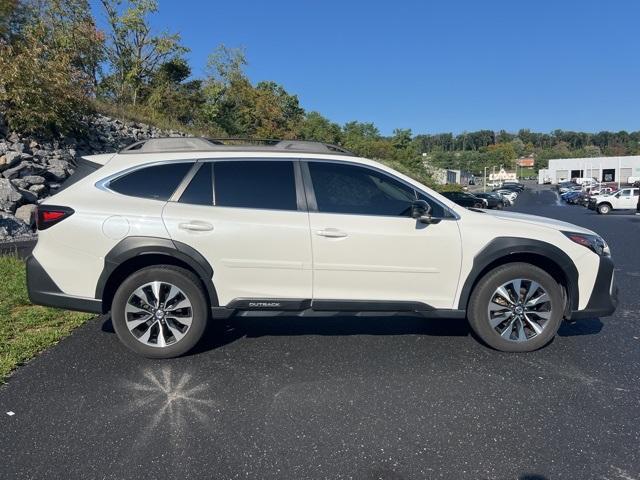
(331, 325)
(229, 330)
(588, 326)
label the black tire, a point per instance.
(604, 208)
(184, 280)
(499, 206)
(478, 315)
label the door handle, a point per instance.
(332, 233)
(196, 226)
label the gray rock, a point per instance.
(26, 213)
(12, 158)
(56, 174)
(39, 190)
(15, 171)
(19, 183)
(58, 163)
(12, 228)
(10, 196)
(34, 179)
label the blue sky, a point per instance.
(433, 66)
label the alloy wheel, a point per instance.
(158, 314)
(519, 310)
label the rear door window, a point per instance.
(156, 182)
(260, 184)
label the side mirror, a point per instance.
(421, 211)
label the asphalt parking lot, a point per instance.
(391, 397)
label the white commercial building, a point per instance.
(621, 170)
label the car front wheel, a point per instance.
(604, 209)
(516, 307)
(160, 311)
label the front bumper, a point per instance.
(43, 291)
(604, 297)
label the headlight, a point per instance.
(592, 242)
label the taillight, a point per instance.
(49, 215)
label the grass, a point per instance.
(26, 329)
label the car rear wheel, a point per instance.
(603, 209)
(160, 311)
(516, 307)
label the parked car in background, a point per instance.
(494, 200)
(567, 186)
(510, 195)
(601, 191)
(576, 198)
(625, 199)
(512, 185)
(465, 199)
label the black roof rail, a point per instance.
(186, 144)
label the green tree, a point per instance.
(41, 90)
(134, 52)
(73, 30)
(317, 128)
(170, 96)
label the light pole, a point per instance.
(484, 182)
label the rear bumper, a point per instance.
(604, 297)
(43, 291)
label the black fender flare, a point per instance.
(503, 247)
(131, 247)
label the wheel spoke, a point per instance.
(498, 319)
(517, 286)
(174, 294)
(506, 333)
(162, 342)
(533, 324)
(522, 336)
(533, 288)
(177, 334)
(144, 338)
(184, 303)
(545, 315)
(539, 300)
(496, 307)
(143, 298)
(136, 322)
(505, 295)
(155, 288)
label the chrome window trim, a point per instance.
(104, 183)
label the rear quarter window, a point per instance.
(156, 182)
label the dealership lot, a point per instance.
(390, 397)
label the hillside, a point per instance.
(32, 168)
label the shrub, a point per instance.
(41, 91)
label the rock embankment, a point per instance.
(31, 169)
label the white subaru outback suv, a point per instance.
(170, 234)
